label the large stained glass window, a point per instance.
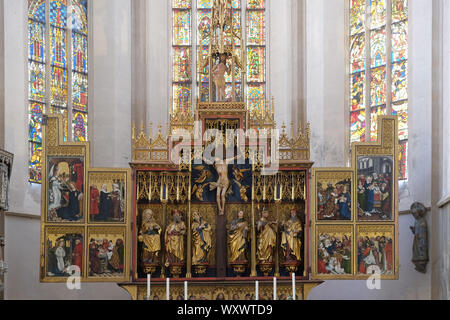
(379, 69)
(58, 73)
(191, 20)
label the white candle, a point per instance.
(257, 290)
(274, 288)
(168, 289)
(148, 286)
(293, 286)
(185, 291)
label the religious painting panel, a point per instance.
(375, 251)
(65, 197)
(333, 252)
(107, 254)
(62, 253)
(108, 197)
(332, 192)
(374, 185)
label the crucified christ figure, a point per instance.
(223, 183)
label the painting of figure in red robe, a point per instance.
(64, 252)
(107, 197)
(334, 250)
(65, 189)
(106, 252)
(375, 188)
(375, 250)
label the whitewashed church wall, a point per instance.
(441, 156)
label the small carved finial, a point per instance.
(150, 136)
(133, 131)
(142, 126)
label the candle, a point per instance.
(293, 286)
(168, 289)
(257, 290)
(148, 286)
(185, 291)
(274, 288)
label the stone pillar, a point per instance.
(326, 78)
(111, 60)
(159, 43)
(139, 84)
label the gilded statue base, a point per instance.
(239, 267)
(150, 268)
(176, 269)
(266, 268)
(200, 269)
(291, 266)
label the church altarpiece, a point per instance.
(220, 225)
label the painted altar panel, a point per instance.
(374, 211)
(107, 255)
(71, 239)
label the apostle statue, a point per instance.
(291, 237)
(266, 237)
(201, 238)
(174, 239)
(150, 236)
(420, 231)
(238, 237)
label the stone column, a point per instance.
(111, 60)
(139, 84)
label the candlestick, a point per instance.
(185, 291)
(274, 288)
(148, 286)
(168, 289)
(293, 286)
(256, 290)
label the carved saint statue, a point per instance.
(420, 231)
(238, 236)
(291, 237)
(218, 72)
(174, 239)
(150, 236)
(201, 239)
(267, 238)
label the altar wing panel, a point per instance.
(355, 212)
(85, 213)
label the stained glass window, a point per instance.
(256, 55)
(379, 69)
(53, 67)
(191, 21)
(79, 70)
